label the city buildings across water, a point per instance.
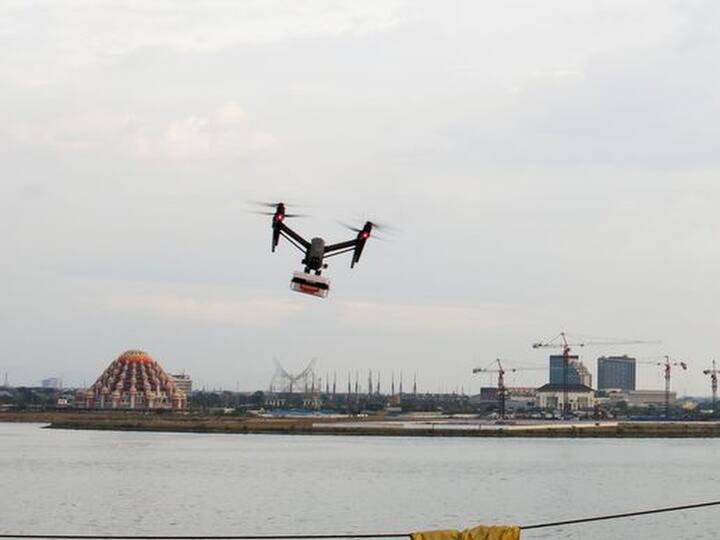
(616, 372)
(577, 372)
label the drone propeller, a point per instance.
(382, 226)
(263, 203)
(378, 237)
(271, 204)
(354, 229)
(268, 204)
(374, 226)
(273, 213)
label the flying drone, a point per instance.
(310, 281)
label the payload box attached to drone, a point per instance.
(310, 284)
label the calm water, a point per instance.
(103, 482)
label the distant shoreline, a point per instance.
(371, 426)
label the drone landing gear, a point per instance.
(317, 271)
(314, 285)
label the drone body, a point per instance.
(310, 281)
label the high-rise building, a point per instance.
(52, 382)
(616, 372)
(577, 372)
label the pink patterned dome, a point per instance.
(134, 381)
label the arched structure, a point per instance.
(133, 381)
(286, 383)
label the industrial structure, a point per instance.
(667, 366)
(133, 381)
(284, 382)
(501, 393)
(713, 384)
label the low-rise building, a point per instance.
(52, 382)
(552, 396)
(516, 397)
(183, 382)
(639, 398)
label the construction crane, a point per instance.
(713, 384)
(667, 368)
(562, 342)
(501, 388)
(667, 365)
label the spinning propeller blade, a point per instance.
(381, 226)
(375, 226)
(272, 204)
(354, 229)
(263, 203)
(275, 205)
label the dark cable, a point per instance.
(348, 535)
(620, 516)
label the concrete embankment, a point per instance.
(169, 422)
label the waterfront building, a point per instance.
(133, 381)
(640, 398)
(183, 382)
(52, 382)
(516, 397)
(552, 396)
(577, 372)
(489, 394)
(616, 372)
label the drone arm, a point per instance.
(356, 246)
(289, 233)
(293, 242)
(350, 244)
(347, 250)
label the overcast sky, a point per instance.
(549, 165)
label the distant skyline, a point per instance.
(389, 380)
(549, 167)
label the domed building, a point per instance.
(133, 381)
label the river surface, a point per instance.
(102, 482)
